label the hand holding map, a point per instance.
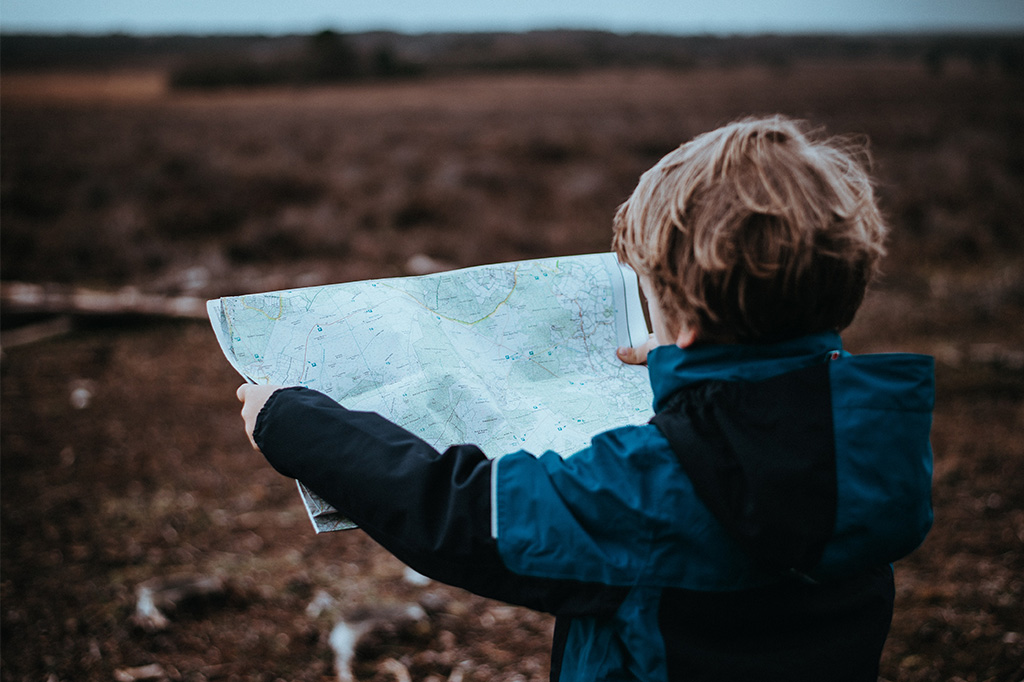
(253, 397)
(507, 356)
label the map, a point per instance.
(510, 356)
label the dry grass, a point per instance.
(110, 87)
(226, 192)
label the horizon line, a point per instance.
(975, 30)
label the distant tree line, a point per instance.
(325, 57)
(332, 56)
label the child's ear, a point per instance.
(686, 337)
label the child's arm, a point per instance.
(432, 510)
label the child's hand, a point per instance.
(253, 397)
(637, 355)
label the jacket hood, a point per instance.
(672, 368)
(814, 460)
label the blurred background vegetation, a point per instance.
(208, 166)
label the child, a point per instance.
(746, 532)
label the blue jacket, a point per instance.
(746, 533)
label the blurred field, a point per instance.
(122, 452)
(83, 87)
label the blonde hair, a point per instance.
(755, 232)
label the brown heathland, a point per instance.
(123, 454)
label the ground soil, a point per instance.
(123, 458)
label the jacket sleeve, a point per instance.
(432, 510)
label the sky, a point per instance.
(418, 16)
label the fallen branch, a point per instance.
(33, 333)
(20, 297)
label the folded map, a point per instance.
(510, 356)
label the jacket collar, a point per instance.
(672, 368)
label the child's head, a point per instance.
(755, 232)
